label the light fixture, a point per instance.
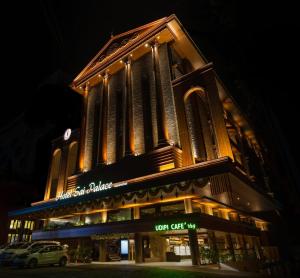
(147, 44)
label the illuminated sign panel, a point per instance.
(91, 188)
(175, 226)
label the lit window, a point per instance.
(11, 226)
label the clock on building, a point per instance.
(67, 134)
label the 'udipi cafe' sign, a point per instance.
(175, 226)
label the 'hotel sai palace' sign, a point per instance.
(93, 187)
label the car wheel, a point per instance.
(63, 261)
(32, 263)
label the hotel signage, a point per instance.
(93, 187)
(175, 226)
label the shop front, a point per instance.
(197, 237)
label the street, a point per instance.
(118, 270)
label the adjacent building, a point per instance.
(164, 167)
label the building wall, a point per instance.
(193, 113)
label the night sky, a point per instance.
(46, 43)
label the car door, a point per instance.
(45, 255)
(54, 254)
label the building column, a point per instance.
(162, 132)
(102, 150)
(230, 246)
(217, 116)
(194, 247)
(45, 223)
(138, 246)
(213, 245)
(128, 124)
(244, 245)
(62, 185)
(188, 206)
(83, 128)
(97, 127)
(136, 213)
(257, 248)
(104, 216)
(102, 250)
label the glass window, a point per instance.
(11, 226)
(147, 212)
(171, 209)
(92, 219)
(119, 215)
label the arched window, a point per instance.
(198, 124)
(72, 159)
(55, 167)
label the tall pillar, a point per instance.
(136, 213)
(138, 245)
(188, 206)
(257, 247)
(97, 126)
(217, 116)
(194, 247)
(244, 245)
(128, 130)
(104, 216)
(83, 128)
(230, 246)
(213, 245)
(102, 153)
(61, 187)
(102, 250)
(162, 132)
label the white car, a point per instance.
(10, 253)
(47, 255)
(4, 247)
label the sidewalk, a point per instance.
(186, 265)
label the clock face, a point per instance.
(67, 134)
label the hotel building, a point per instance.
(164, 167)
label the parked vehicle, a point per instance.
(10, 253)
(4, 247)
(42, 255)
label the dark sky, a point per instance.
(252, 44)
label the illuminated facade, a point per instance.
(164, 166)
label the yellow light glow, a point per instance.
(166, 167)
(168, 200)
(226, 209)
